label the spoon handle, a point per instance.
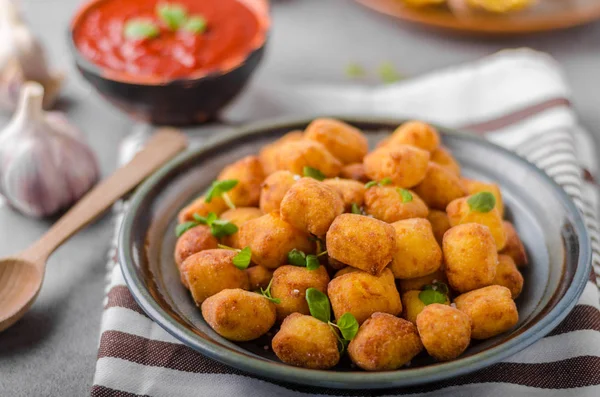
(161, 147)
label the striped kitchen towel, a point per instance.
(518, 99)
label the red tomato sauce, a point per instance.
(233, 31)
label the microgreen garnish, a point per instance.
(139, 29)
(356, 209)
(313, 173)
(406, 196)
(242, 259)
(220, 189)
(267, 294)
(196, 24)
(299, 258)
(383, 182)
(482, 202)
(218, 227)
(387, 73)
(318, 304)
(320, 308)
(172, 15)
(354, 70)
(434, 293)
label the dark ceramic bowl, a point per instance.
(545, 217)
(175, 102)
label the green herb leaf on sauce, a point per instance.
(313, 173)
(172, 15)
(218, 188)
(348, 326)
(482, 202)
(242, 259)
(406, 196)
(196, 24)
(140, 29)
(267, 293)
(318, 304)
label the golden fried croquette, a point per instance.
(273, 188)
(440, 187)
(444, 330)
(268, 154)
(196, 239)
(270, 238)
(443, 157)
(384, 342)
(346, 270)
(387, 203)
(362, 242)
(491, 310)
(412, 305)
(259, 277)
(439, 224)
(405, 165)
(201, 207)
(238, 216)
(306, 342)
(345, 142)
(211, 271)
(470, 256)
(459, 212)
(474, 187)
(239, 315)
(507, 275)
(355, 171)
(250, 174)
(417, 253)
(290, 284)
(311, 206)
(416, 133)
(294, 156)
(514, 247)
(352, 192)
(363, 294)
(418, 283)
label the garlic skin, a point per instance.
(45, 164)
(22, 59)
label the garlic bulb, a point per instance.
(45, 165)
(22, 59)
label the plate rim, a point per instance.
(354, 379)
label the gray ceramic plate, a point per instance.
(544, 216)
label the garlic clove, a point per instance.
(22, 58)
(45, 164)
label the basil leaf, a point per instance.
(139, 29)
(312, 262)
(184, 227)
(211, 218)
(385, 181)
(348, 326)
(221, 228)
(217, 188)
(356, 209)
(370, 184)
(430, 296)
(318, 304)
(297, 258)
(242, 259)
(200, 219)
(173, 15)
(406, 196)
(482, 202)
(196, 24)
(313, 173)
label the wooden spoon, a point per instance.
(21, 276)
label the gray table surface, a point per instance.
(52, 350)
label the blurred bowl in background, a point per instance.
(171, 100)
